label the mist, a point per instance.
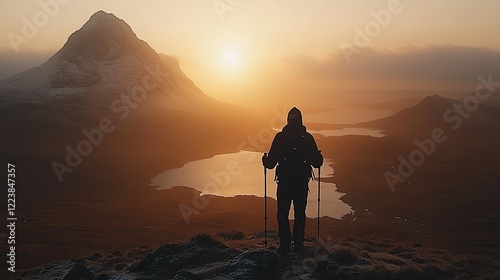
(373, 75)
(12, 63)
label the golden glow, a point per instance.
(231, 59)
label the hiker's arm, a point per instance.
(272, 158)
(316, 159)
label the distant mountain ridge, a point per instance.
(437, 111)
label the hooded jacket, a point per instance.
(280, 145)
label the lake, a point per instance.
(242, 173)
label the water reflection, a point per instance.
(242, 173)
(350, 131)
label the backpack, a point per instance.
(293, 163)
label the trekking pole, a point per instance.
(265, 205)
(319, 194)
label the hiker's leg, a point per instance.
(284, 201)
(299, 208)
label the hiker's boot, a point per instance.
(283, 250)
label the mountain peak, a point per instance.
(437, 98)
(102, 20)
(104, 37)
(99, 62)
(436, 101)
(105, 42)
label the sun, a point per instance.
(231, 58)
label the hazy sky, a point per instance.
(233, 49)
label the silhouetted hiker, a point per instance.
(295, 151)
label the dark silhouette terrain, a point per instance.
(233, 255)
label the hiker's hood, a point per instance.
(294, 117)
(294, 121)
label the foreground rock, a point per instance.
(205, 257)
